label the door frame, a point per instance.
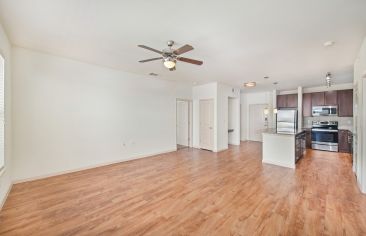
(190, 117)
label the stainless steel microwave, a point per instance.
(325, 111)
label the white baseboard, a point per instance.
(16, 181)
(5, 197)
(279, 164)
(221, 149)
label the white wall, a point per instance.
(205, 91)
(359, 123)
(223, 94)
(319, 89)
(70, 115)
(220, 93)
(254, 98)
(5, 176)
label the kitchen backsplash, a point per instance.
(343, 122)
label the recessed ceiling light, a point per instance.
(329, 43)
(250, 84)
(266, 77)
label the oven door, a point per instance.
(323, 139)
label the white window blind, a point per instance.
(2, 111)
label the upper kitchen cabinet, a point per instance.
(330, 98)
(345, 103)
(306, 104)
(287, 101)
(317, 99)
(292, 100)
(281, 101)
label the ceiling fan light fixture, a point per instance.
(250, 84)
(170, 56)
(169, 63)
(328, 78)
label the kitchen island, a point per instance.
(283, 149)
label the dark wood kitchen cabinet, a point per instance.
(330, 98)
(345, 103)
(281, 101)
(345, 141)
(287, 101)
(291, 100)
(317, 99)
(308, 138)
(306, 105)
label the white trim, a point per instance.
(295, 91)
(92, 166)
(2, 170)
(221, 149)
(278, 164)
(6, 196)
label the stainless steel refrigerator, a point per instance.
(286, 121)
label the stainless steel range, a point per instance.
(324, 135)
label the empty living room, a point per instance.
(183, 117)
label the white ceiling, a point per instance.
(238, 40)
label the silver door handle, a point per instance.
(325, 130)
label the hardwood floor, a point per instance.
(193, 192)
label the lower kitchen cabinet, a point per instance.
(345, 141)
(300, 145)
(308, 138)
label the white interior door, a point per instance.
(183, 123)
(256, 121)
(207, 124)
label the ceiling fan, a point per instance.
(170, 56)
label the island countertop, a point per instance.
(274, 132)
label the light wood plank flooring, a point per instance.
(193, 192)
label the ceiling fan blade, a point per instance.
(183, 49)
(188, 60)
(149, 48)
(151, 59)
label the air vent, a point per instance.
(153, 74)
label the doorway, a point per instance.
(183, 124)
(257, 123)
(206, 117)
